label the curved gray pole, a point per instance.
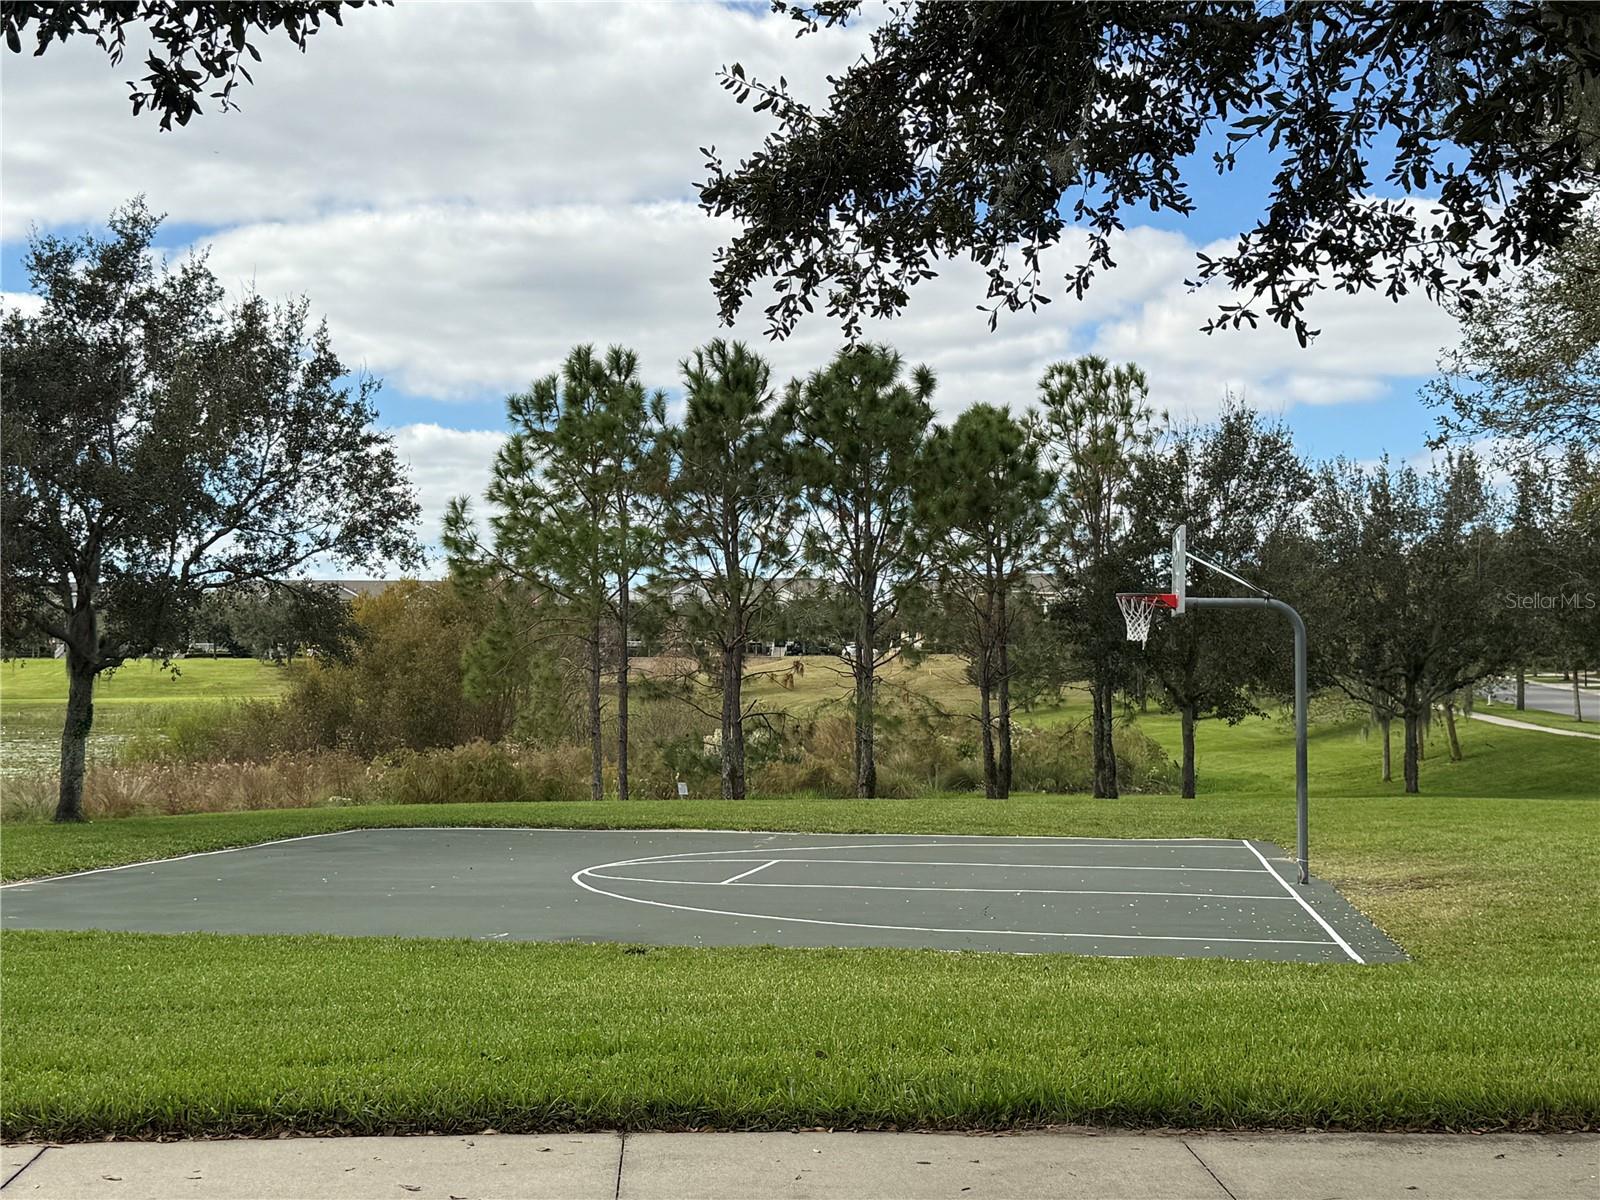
(1301, 807)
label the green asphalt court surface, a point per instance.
(1199, 897)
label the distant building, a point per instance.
(355, 589)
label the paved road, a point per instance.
(1102, 1164)
(1554, 698)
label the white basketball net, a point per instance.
(1138, 611)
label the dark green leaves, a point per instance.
(989, 130)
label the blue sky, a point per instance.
(467, 191)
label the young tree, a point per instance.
(858, 430)
(628, 430)
(1574, 568)
(513, 669)
(982, 503)
(1355, 551)
(576, 514)
(1235, 484)
(1527, 552)
(1096, 427)
(731, 516)
(158, 445)
(998, 130)
(1408, 560)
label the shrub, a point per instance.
(1062, 760)
(482, 772)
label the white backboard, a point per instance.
(1180, 565)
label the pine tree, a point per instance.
(1096, 422)
(731, 510)
(576, 515)
(982, 504)
(858, 429)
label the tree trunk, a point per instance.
(733, 785)
(1577, 695)
(1384, 721)
(597, 778)
(1188, 714)
(622, 688)
(1105, 755)
(866, 659)
(1522, 686)
(1413, 739)
(1003, 651)
(1415, 715)
(1450, 726)
(991, 772)
(75, 735)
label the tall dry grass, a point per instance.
(168, 788)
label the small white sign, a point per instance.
(683, 790)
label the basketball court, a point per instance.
(1200, 898)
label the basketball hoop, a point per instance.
(1139, 610)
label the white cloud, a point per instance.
(493, 105)
(468, 190)
(445, 463)
(26, 303)
(1364, 340)
(454, 301)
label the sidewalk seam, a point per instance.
(1209, 1171)
(12, 1178)
(622, 1150)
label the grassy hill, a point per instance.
(33, 698)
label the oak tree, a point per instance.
(1412, 146)
(159, 444)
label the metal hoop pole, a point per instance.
(1301, 804)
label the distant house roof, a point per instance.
(1041, 583)
(351, 589)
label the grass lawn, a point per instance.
(143, 681)
(1487, 881)
(33, 698)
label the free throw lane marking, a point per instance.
(884, 887)
(742, 874)
(924, 862)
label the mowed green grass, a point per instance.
(144, 681)
(33, 700)
(1487, 880)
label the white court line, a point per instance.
(751, 871)
(577, 878)
(985, 838)
(920, 862)
(1232, 847)
(883, 887)
(152, 862)
(1315, 915)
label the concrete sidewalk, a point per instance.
(836, 1166)
(1513, 723)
